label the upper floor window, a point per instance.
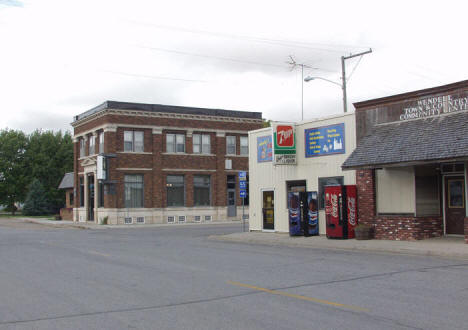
(101, 142)
(82, 147)
(244, 145)
(92, 143)
(230, 145)
(201, 144)
(175, 143)
(133, 141)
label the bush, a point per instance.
(36, 202)
(104, 220)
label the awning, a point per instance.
(435, 139)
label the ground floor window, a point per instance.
(100, 194)
(201, 190)
(175, 186)
(322, 182)
(294, 186)
(81, 191)
(133, 189)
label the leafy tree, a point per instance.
(36, 201)
(266, 123)
(13, 172)
(49, 156)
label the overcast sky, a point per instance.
(59, 58)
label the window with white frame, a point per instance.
(201, 144)
(230, 145)
(92, 143)
(101, 142)
(201, 190)
(175, 188)
(82, 147)
(244, 145)
(133, 141)
(133, 190)
(175, 142)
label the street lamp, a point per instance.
(343, 76)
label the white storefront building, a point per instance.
(321, 147)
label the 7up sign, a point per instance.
(284, 137)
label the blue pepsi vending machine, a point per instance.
(303, 213)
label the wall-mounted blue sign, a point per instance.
(326, 140)
(264, 149)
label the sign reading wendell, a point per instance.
(284, 138)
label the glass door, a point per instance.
(268, 210)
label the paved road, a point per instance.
(175, 278)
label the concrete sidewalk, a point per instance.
(90, 225)
(450, 247)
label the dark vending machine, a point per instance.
(303, 213)
(340, 211)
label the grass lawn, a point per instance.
(19, 215)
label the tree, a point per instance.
(49, 156)
(13, 172)
(36, 201)
(266, 122)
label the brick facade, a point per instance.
(394, 227)
(155, 163)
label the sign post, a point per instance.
(243, 193)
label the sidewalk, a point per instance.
(91, 225)
(451, 247)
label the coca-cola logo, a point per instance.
(352, 211)
(285, 136)
(334, 204)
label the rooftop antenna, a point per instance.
(294, 64)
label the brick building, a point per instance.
(150, 163)
(411, 160)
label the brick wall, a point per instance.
(394, 227)
(466, 230)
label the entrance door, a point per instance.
(454, 204)
(268, 210)
(231, 196)
(91, 198)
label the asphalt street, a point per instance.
(177, 278)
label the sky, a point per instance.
(59, 58)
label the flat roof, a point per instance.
(116, 105)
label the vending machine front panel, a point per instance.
(294, 213)
(334, 211)
(312, 213)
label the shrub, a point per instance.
(36, 202)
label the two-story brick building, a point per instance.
(151, 163)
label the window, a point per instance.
(81, 191)
(427, 190)
(244, 145)
(201, 144)
(294, 186)
(175, 143)
(322, 182)
(133, 190)
(201, 190)
(71, 197)
(92, 143)
(230, 145)
(82, 147)
(100, 194)
(133, 141)
(175, 190)
(101, 142)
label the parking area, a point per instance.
(178, 278)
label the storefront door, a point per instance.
(454, 204)
(268, 210)
(231, 196)
(91, 198)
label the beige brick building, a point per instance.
(161, 163)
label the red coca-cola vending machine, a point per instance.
(340, 211)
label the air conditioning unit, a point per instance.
(228, 164)
(171, 219)
(128, 220)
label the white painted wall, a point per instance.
(395, 190)
(267, 176)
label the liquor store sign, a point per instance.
(435, 106)
(284, 137)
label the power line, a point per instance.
(151, 77)
(280, 42)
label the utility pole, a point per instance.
(343, 75)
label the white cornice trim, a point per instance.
(133, 169)
(135, 152)
(185, 170)
(120, 112)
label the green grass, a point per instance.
(19, 215)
